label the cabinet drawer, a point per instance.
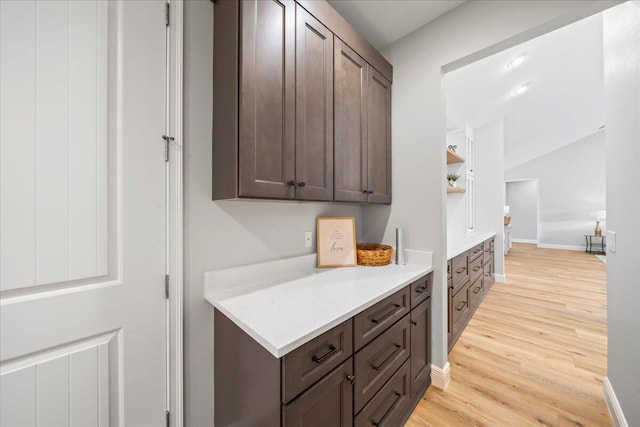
(388, 407)
(488, 251)
(376, 363)
(310, 362)
(460, 271)
(421, 289)
(475, 291)
(475, 268)
(476, 251)
(376, 319)
(460, 309)
(328, 403)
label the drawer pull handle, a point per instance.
(389, 313)
(332, 349)
(414, 323)
(461, 306)
(477, 268)
(351, 378)
(476, 290)
(384, 362)
(476, 251)
(460, 270)
(398, 396)
(421, 289)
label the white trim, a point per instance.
(529, 241)
(175, 220)
(440, 377)
(563, 247)
(502, 278)
(615, 410)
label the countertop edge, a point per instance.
(283, 350)
(470, 243)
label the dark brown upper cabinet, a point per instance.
(314, 108)
(350, 125)
(254, 99)
(362, 129)
(276, 100)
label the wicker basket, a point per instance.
(507, 220)
(373, 254)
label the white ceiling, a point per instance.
(565, 101)
(382, 22)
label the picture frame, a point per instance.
(336, 241)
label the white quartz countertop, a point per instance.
(458, 244)
(282, 314)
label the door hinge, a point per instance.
(167, 15)
(166, 288)
(167, 141)
(168, 418)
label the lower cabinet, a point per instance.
(420, 349)
(370, 370)
(327, 403)
(465, 297)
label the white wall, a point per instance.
(622, 103)
(223, 234)
(468, 33)
(489, 182)
(572, 190)
(522, 199)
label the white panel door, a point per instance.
(82, 213)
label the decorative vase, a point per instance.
(452, 183)
(598, 230)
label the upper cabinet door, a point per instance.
(266, 140)
(314, 108)
(350, 91)
(379, 137)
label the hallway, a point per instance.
(534, 352)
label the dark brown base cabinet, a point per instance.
(471, 275)
(274, 111)
(370, 370)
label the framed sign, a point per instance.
(336, 240)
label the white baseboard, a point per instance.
(564, 247)
(615, 410)
(534, 242)
(440, 377)
(502, 278)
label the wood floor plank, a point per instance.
(535, 351)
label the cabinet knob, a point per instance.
(365, 191)
(370, 192)
(414, 323)
(302, 184)
(292, 182)
(351, 378)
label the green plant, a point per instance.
(453, 177)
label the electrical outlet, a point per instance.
(611, 241)
(307, 239)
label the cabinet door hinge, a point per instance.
(167, 15)
(168, 419)
(167, 141)
(166, 288)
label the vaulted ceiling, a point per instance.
(564, 100)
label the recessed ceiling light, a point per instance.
(520, 89)
(514, 62)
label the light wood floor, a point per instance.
(535, 351)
